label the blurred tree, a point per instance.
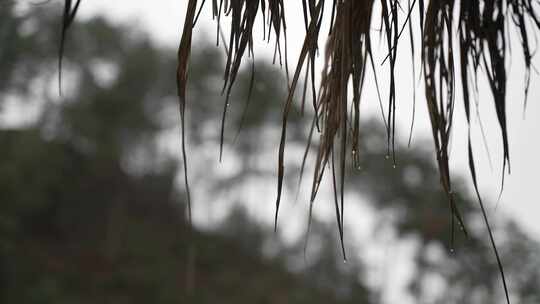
(90, 211)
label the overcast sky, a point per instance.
(520, 198)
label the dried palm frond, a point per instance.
(481, 27)
(70, 11)
(184, 52)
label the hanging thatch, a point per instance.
(470, 35)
